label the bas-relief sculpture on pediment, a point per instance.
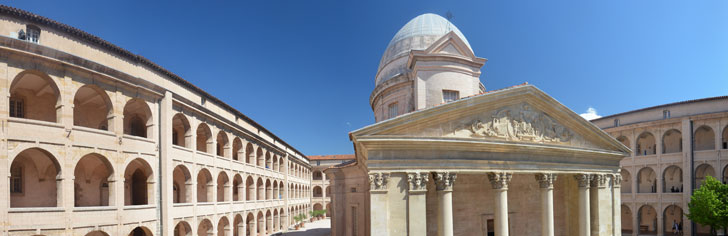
(518, 123)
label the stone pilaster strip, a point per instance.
(378, 181)
(444, 180)
(417, 181)
(546, 180)
(500, 180)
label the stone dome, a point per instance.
(418, 34)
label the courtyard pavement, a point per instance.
(316, 228)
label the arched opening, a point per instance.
(317, 192)
(92, 108)
(626, 220)
(704, 138)
(281, 187)
(97, 233)
(646, 181)
(249, 150)
(137, 118)
(276, 220)
(238, 189)
(672, 220)
(182, 229)
(645, 144)
(222, 144)
(701, 172)
(223, 226)
(250, 186)
(92, 181)
(268, 161)
(205, 228)
(647, 218)
(261, 223)
(725, 138)
(261, 189)
(261, 158)
(35, 177)
(138, 183)
(223, 187)
(204, 138)
(317, 175)
(140, 231)
(237, 149)
(268, 222)
(249, 222)
(182, 184)
(181, 132)
(672, 180)
(238, 225)
(204, 186)
(275, 189)
(275, 163)
(268, 190)
(672, 141)
(34, 95)
(318, 207)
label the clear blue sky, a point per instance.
(305, 69)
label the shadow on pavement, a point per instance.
(310, 232)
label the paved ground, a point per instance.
(317, 228)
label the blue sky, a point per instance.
(305, 69)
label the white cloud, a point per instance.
(590, 114)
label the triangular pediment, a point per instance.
(450, 43)
(522, 114)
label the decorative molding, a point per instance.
(583, 180)
(378, 181)
(546, 180)
(417, 181)
(444, 180)
(599, 180)
(500, 180)
(517, 123)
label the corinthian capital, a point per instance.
(500, 180)
(583, 180)
(546, 180)
(417, 181)
(617, 178)
(599, 180)
(378, 181)
(444, 180)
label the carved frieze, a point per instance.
(417, 181)
(583, 180)
(500, 180)
(378, 181)
(546, 180)
(444, 180)
(517, 123)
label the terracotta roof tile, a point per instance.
(331, 157)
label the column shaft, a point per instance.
(444, 182)
(546, 183)
(499, 182)
(584, 222)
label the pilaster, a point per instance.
(417, 204)
(379, 205)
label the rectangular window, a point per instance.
(665, 114)
(16, 180)
(393, 110)
(32, 33)
(17, 108)
(450, 95)
(616, 122)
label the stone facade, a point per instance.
(664, 165)
(99, 141)
(321, 182)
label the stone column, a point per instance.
(617, 204)
(378, 183)
(546, 183)
(499, 181)
(600, 203)
(417, 204)
(444, 182)
(584, 223)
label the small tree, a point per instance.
(709, 205)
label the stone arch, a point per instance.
(93, 181)
(138, 118)
(672, 179)
(250, 154)
(701, 172)
(317, 206)
(281, 188)
(92, 108)
(204, 138)
(647, 220)
(724, 141)
(646, 181)
(672, 141)
(317, 175)
(181, 131)
(275, 163)
(182, 184)
(645, 144)
(140, 231)
(670, 216)
(268, 190)
(249, 222)
(205, 228)
(223, 187)
(275, 190)
(626, 220)
(268, 222)
(238, 224)
(268, 160)
(704, 138)
(34, 95)
(182, 229)
(222, 144)
(259, 155)
(261, 223)
(138, 183)
(96, 233)
(318, 191)
(238, 188)
(35, 177)
(204, 186)
(250, 187)
(261, 189)
(626, 186)
(223, 226)
(276, 220)
(237, 149)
